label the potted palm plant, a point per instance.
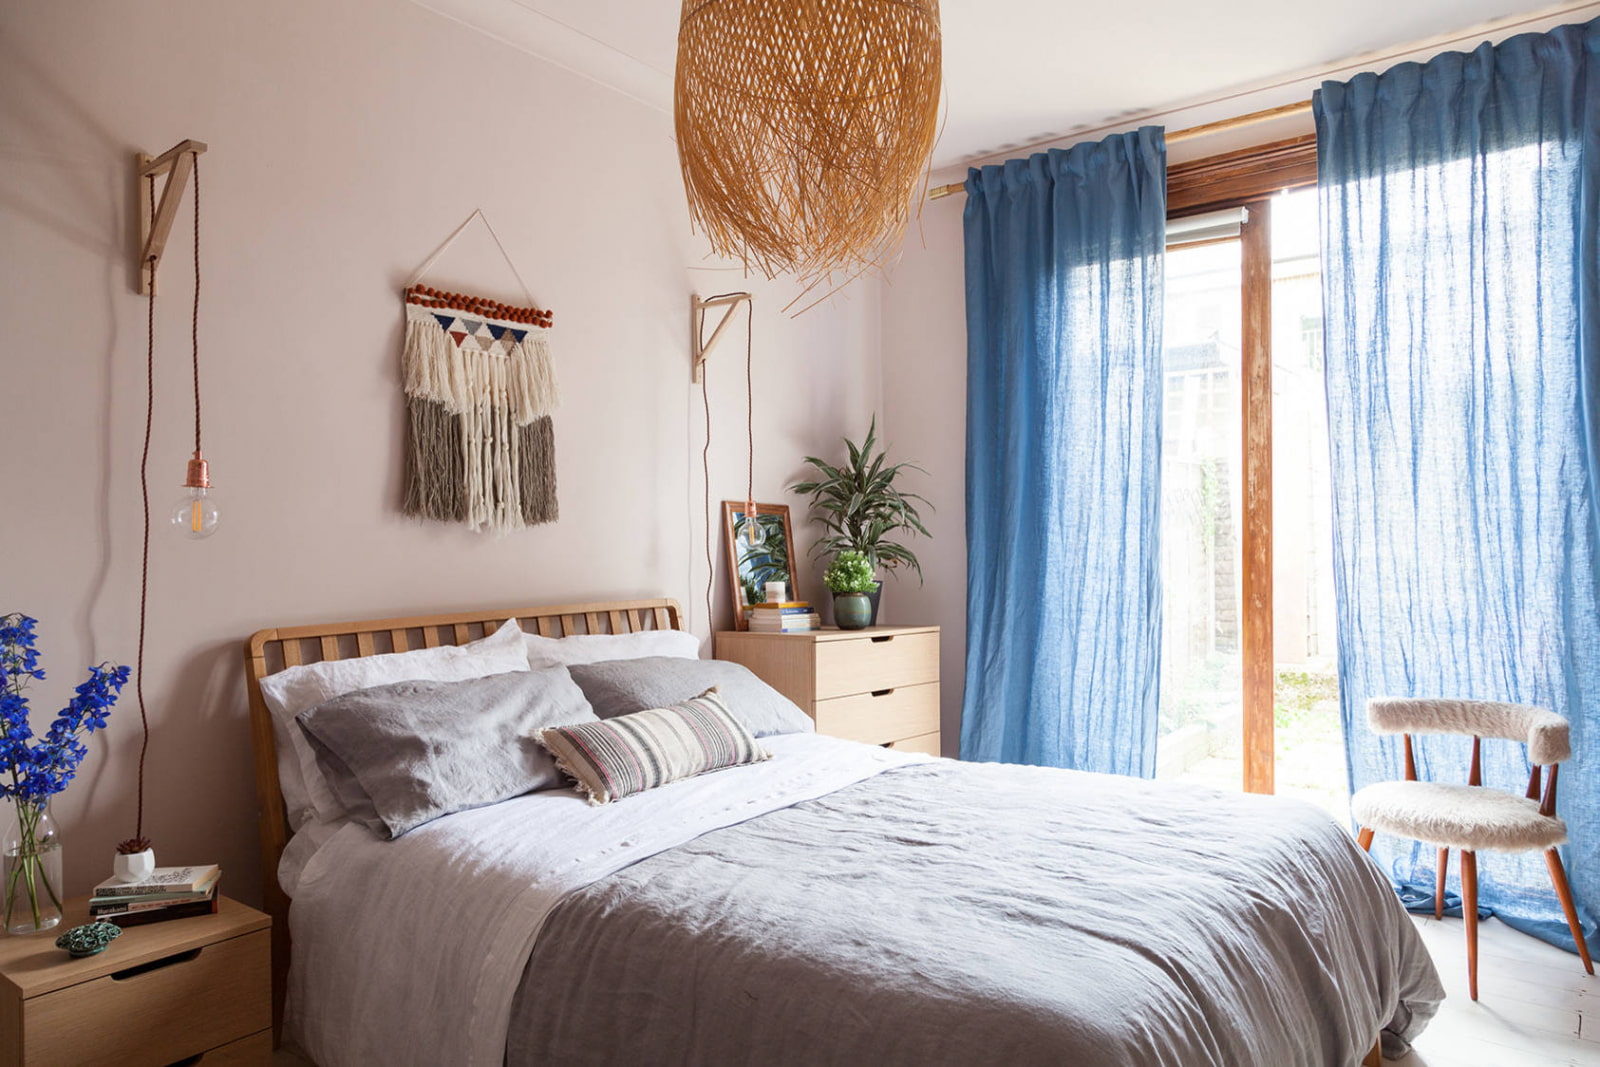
(862, 509)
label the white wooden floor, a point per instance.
(1535, 1007)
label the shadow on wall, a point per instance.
(86, 199)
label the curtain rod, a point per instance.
(1221, 125)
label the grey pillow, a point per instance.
(400, 755)
(623, 686)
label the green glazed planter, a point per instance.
(852, 611)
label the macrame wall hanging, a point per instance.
(480, 386)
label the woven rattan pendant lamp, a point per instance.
(805, 126)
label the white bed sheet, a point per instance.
(306, 842)
(440, 923)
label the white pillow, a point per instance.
(596, 648)
(289, 692)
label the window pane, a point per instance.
(1310, 748)
(1200, 535)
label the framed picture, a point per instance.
(751, 567)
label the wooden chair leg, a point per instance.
(1438, 895)
(1558, 876)
(1469, 911)
(1364, 838)
(1374, 1058)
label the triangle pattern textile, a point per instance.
(480, 387)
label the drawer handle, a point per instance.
(881, 692)
(155, 965)
(880, 640)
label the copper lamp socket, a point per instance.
(199, 476)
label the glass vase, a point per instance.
(31, 869)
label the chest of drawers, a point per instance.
(879, 685)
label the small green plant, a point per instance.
(850, 572)
(862, 509)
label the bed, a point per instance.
(838, 903)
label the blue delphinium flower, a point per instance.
(42, 768)
(32, 771)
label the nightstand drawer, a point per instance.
(889, 715)
(866, 664)
(157, 1012)
(925, 743)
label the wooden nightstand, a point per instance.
(197, 990)
(879, 685)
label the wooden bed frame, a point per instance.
(270, 651)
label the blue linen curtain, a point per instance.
(1459, 221)
(1064, 303)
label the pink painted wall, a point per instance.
(924, 402)
(347, 139)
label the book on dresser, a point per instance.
(788, 617)
(169, 893)
(785, 624)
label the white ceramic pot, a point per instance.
(133, 866)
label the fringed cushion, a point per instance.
(1544, 732)
(631, 753)
(1473, 818)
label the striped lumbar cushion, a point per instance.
(631, 753)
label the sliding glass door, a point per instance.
(1249, 693)
(1308, 741)
(1201, 710)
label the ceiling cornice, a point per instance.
(526, 29)
(1281, 89)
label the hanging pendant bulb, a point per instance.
(196, 515)
(755, 534)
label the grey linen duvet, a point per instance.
(973, 913)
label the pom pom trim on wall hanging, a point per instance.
(480, 386)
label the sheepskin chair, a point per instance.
(1472, 818)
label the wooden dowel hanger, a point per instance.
(177, 163)
(701, 348)
(1175, 137)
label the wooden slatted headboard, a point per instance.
(270, 651)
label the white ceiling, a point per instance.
(1022, 71)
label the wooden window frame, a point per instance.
(1249, 178)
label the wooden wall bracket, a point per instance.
(699, 345)
(176, 163)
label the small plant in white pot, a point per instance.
(850, 579)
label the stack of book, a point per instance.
(788, 617)
(169, 893)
